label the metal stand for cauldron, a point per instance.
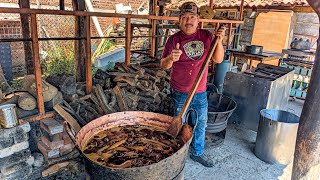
(220, 109)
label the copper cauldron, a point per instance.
(168, 168)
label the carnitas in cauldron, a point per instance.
(130, 146)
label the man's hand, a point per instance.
(221, 33)
(176, 53)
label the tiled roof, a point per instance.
(175, 4)
(252, 3)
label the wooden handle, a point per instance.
(199, 77)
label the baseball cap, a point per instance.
(189, 7)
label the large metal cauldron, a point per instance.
(169, 168)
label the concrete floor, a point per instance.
(235, 158)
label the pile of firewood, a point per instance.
(143, 87)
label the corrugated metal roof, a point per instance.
(252, 3)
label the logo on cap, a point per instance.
(189, 7)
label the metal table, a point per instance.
(265, 56)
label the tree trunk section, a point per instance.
(307, 159)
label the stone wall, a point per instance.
(16, 160)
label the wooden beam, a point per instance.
(61, 4)
(102, 14)
(155, 2)
(211, 4)
(241, 10)
(38, 117)
(306, 163)
(88, 60)
(37, 66)
(25, 28)
(229, 35)
(304, 9)
(128, 41)
(153, 38)
(79, 46)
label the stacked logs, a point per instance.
(143, 87)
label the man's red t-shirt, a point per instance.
(195, 48)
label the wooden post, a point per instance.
(211, 3)
(201, 25)
(37, 66)
(128, 41)
(79, 45)
(241, 10)
(88, 57)
(61, 4)
(26, 34)
(306, 163)
(153, 38)
(229, 35)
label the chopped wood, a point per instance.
(121, 102)
(128, 80)
(54, 168)
(130, 75)
(67, 117)
(26, 101)
(49, 91)
(65, 82)
(104, 99)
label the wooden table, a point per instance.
(265, 56)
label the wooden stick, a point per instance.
(37, 66)
(88, 57)
(128, 41)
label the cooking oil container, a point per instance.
(8, 116)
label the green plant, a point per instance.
(59, 60)
(104, 46)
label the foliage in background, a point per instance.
(58, 60)
(104, 46)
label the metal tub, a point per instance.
(168, 168)
(276, 136)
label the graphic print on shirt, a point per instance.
(194, 49)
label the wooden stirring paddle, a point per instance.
(177, 123)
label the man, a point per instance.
(185, 53)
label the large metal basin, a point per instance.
(169, 168)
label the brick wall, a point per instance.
(54, 26)
(101, 4)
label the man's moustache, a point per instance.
(189, 24)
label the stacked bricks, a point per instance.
(54, 141)
(15, 157)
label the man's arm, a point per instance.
(166, 63)
(218, 54)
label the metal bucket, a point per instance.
(276, 136)
(168, 168)
(8, 116)
(219, 113)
